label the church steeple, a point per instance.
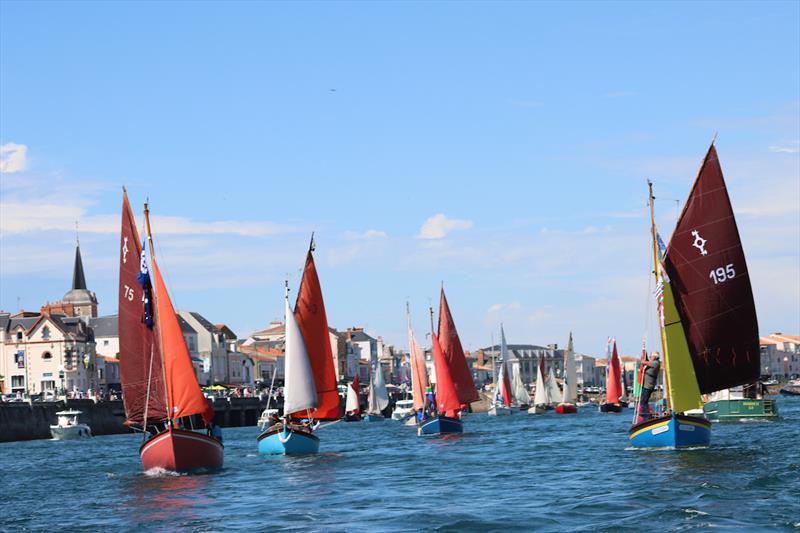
(78, 278)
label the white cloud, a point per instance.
(369, 234)
(788, 148)
(13, 157)
(438, 226)
(496, 308)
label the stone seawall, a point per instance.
(24, 421)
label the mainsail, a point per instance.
(504, 385)
(419, 373)
(613, 376)
(454, 353)
(141, 369)
(540, 397)
(299, 391)
(710, 285)
(447, 401)
(553, 392)
(379, 386)
(310, 314)
(517, 386)
(352, 404)
(570, 385)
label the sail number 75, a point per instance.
(721, 275)
(128, 293)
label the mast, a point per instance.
(157, 317)
(657, 273)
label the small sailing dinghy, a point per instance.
(310, 391)
(160, 389)
(352, 406)
(501, 404)
(455, 388)
(613, 403)
(518, 388)
(378, 398)
(419, 377)
(708, 324)
(568, 405)
(541, 396)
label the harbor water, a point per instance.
(519, 473)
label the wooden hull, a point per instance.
(566, 408)
(181, 450)
(287, 441)
(441, 425)
(610, 408)
(740, 409)
(671, 431)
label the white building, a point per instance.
(780, 356)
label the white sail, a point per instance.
(299, 391)
(372, 404)
(381, 395)
(352, 404)
(553, 392)
(540, 398)
(570, 383)
(520, 391)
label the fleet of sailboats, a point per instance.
(707, 323)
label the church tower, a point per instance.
(79, 301)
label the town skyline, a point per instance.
(506, 159)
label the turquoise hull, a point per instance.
(287, 442)
(374, 418)
(441, 425)
(671, 431)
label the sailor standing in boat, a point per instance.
(649, 383)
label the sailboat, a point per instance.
(502, 395)
(708, 324)
(352, 407)
(541, 398)
(310, 391)
(613, 383)
(160, 390)
(454, 386)
(378, 398)
(567, 406)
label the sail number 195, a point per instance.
(721, 275)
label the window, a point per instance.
(19, 336)
(46, 333)
(17, 381)
(105, 343)
(47, 355)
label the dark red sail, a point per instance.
(706, 265)
(454, 353)
(139, 356)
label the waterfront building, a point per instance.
(780, 356)
(526, 358)
(108, 374)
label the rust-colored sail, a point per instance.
(419, 373)
(613, 375)
(309, 311)
(706, 267)
(185, 396)
(139, 356)
(447, 400)
(454, 353)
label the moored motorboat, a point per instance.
(68, 427)
(733, 405)
(403, 409)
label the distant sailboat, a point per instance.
(503, 397)
(708, 324)
(310, 391)
(378, 398)
(160, 389)
(352, 408)
(419, 374)
(613, 403)
(541, 398)
(568, 405)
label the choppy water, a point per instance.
(520, 473)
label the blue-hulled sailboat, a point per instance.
(708, 324)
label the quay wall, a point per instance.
(29, 421)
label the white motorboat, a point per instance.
(267, 418)
(68, 426)
(403, 409)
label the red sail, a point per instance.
(447, 400)
(309, 311)
(139, 357)
(506, 386)
(454, 353)
(705, 263)
(185, 396)
(613, 385)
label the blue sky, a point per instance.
(499, 147)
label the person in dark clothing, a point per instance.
(649, 382)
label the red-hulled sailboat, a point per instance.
(454, 353)
(160, 389)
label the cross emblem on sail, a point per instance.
(699, 242)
